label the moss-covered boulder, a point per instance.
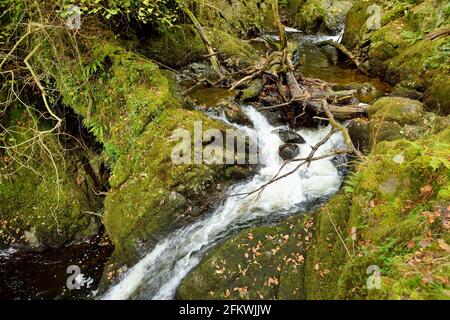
(401, 110)
(393, 118)
(259, 263)
(47, 192)
(131, 107)
(181, 45)
(239, 17)
(400, 51)
(322, 16)
(384, 237)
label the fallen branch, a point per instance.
(344, 131)
(215, 66)
(345, 51)
(437, 34)
(339, 112)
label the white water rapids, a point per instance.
(160, 272)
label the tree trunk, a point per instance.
(215, 66)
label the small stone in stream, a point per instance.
(289, 136)
(289, 151)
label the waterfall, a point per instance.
(160, 272)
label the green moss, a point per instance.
(181, 45)
(401, 110)
(258, 263)
(328, 256)
(392, 216)
(399, 50)
(45, 192)
(142, 203)
(239, 17)
(320, 16)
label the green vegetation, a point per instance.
(392, 214)
(87, 116)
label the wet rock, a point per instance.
(290, 136)
(401, 91)
(332, 54)
(232, 111)
(289, 151)
(239, 173)
(365, 92)
(359, 130)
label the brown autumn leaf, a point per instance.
(426, 190)
(410, 244)
(443, 245)
(80, 180)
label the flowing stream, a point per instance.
(160, 272)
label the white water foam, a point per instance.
(160, 272)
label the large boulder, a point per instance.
(392, 118)
(323, 16)
(396, 109)
(181, 45)
(399, 50)
(239, 17)
(135, 115)
(48, 201)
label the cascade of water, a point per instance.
(160, 272)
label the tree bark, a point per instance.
(215, 66)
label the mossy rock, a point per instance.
(258, 263)
(132, 108)
(181, 45)
(314, 16)
(146, 199)
(238, 17)
(397, 109)
(399, 51)
(46, 201)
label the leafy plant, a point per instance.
(96, 128)
(162, 13)
(412, 37)
(441, 57)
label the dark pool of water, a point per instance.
(319, 64)
(43, 275)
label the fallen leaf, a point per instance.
(427, 190)
(443, 245)
(410, 244)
